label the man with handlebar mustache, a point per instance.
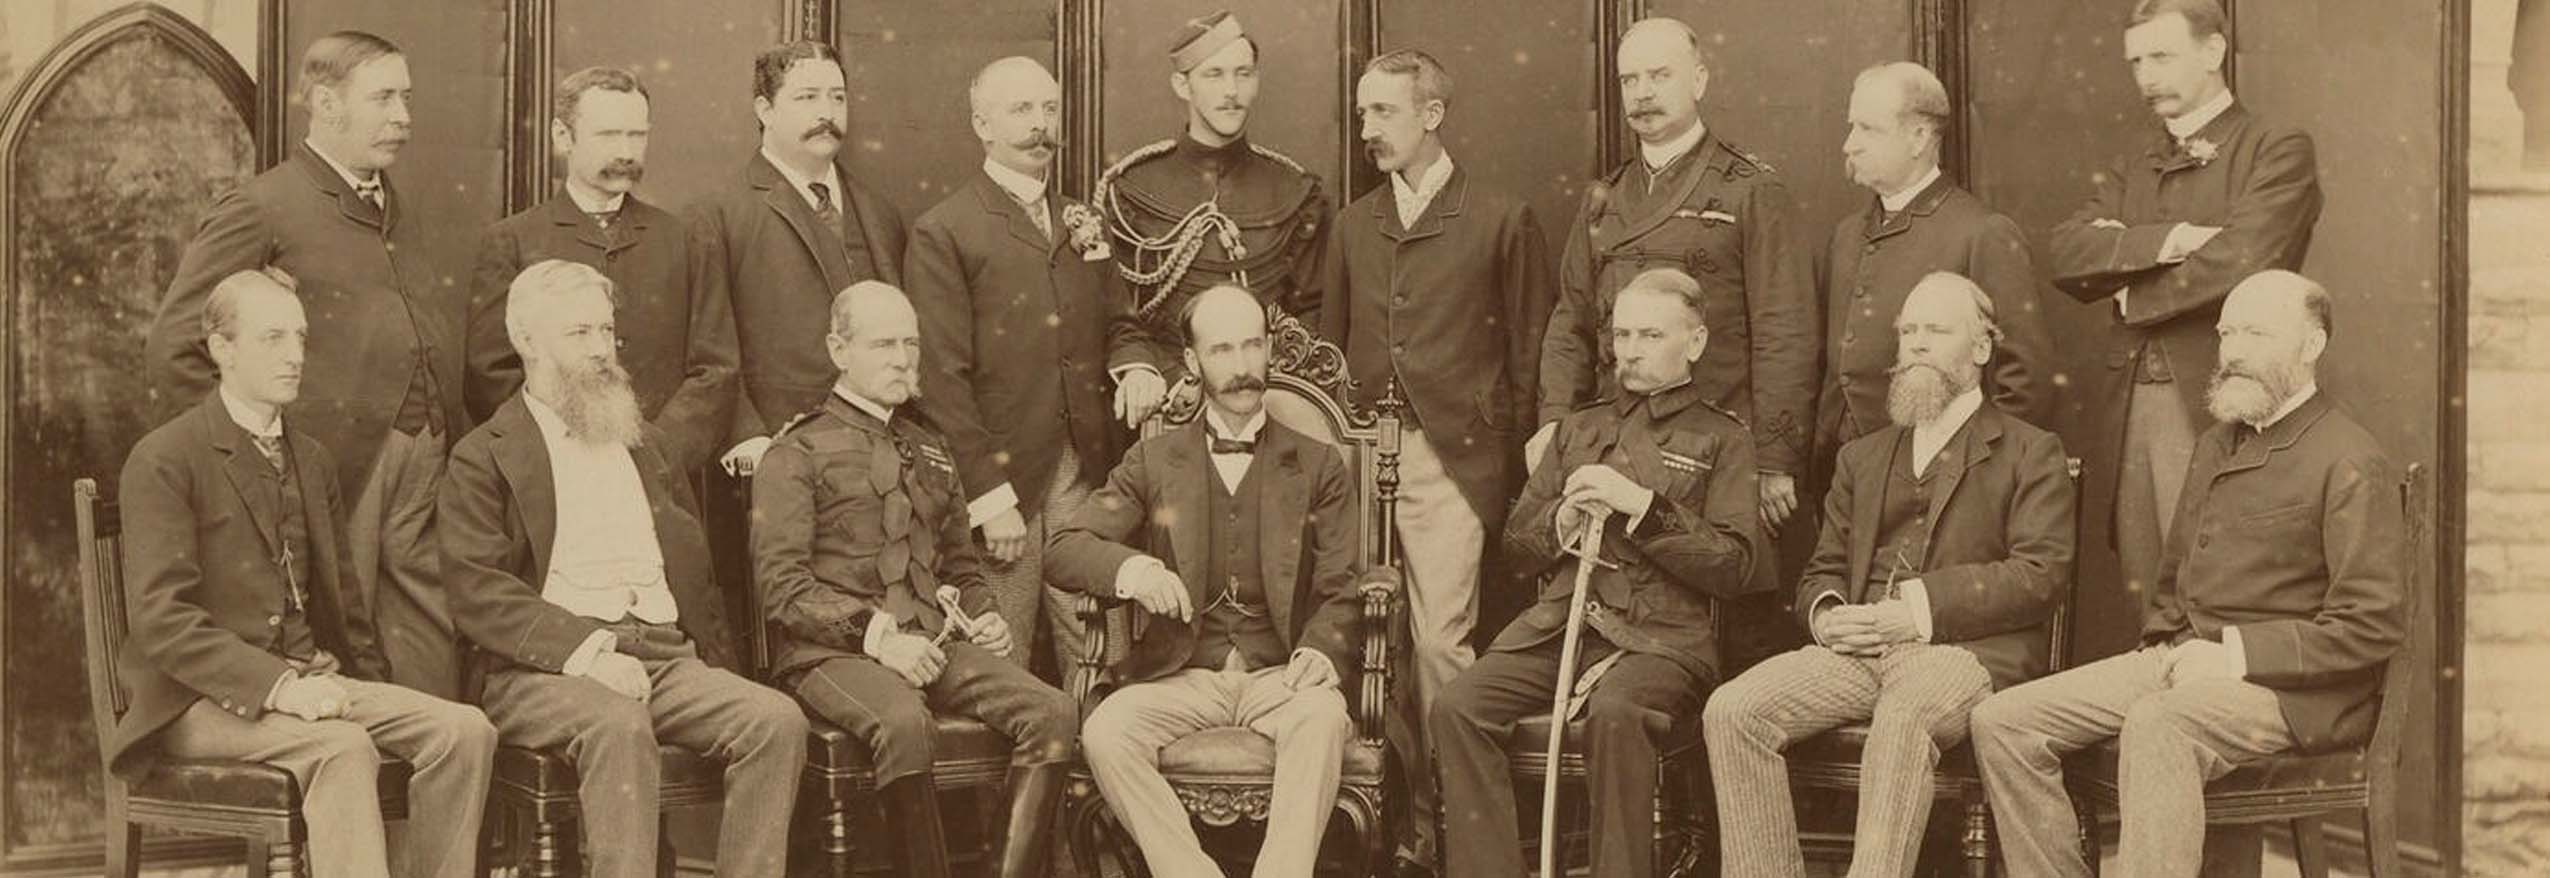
(676, 329)
(798, 230)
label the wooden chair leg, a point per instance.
(548, 849)
(2088, 817)
(123, 849)
(2381, 839)
(282, 857)
(1976, 843)
(836, 838)
(2310, 848)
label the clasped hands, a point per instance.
(1866, 630)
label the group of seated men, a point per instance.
(568, 550)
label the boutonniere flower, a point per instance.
(1086, 235)
(2202, 150)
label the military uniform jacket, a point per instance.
(2000, 537)
(1726, 219)
(780, 269)
(1700, 541)
(367, 289)
(1870, 270)
(1020, 333)
(207, 598)
(2295, 535)
(853, 516)
(1454, 308)
(1167, 251)
(676, 328)
(2260, 183)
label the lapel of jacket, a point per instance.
(1704, 163)
(2252, 454)
(1924, 203)
(1184, 501)
(783, 198)
(1447, 204)
(1868, 511)
(250, 476)
(331, 184)
(1280, 517)
(523, 457)
(1982, 434)
(1013, 215)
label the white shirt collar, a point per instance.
(1901, 199)
(883, 414)
(1246, 433)
(1929, 439)
(585, 203)
(1659, 155)
(1029, 191)
(2188, 123)
(1412, 200)
(2299, 397)
(553, 426)
(341, 169)
(831, 180)
(247, 420)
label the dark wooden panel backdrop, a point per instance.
(697, 61)
(1298, 110)
(1525, 98)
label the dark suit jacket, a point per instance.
(1454, 308)
(365, 288)
(760, 241)
(2000, 551)
(1725, 218)
(206, 599)
(497, 516)
(2262, 187)
(2296, 537)
(677, 331)
(1018, 336)
(1700, 542)
(1307, 542)
(1870, 270)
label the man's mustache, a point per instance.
(624, 169)
(823, 126)
(1645, 110)
(1037, 139)
(1241, 383)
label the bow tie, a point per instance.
(1233, 446)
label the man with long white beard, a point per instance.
(577, 562)
(2276, 611)
(1945, 538)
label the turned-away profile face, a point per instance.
(1392, 121)
(1884, 147)
(1220, 90)
(366, 116)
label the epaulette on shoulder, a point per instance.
(1732, 417)
(1744, 163)
(1134, 158)
(794, 423)
(1280, 158)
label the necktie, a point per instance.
(370, 190)
(1233, 446)
(272, 448)
(825, 210)
(1044, 224)
(603, 218)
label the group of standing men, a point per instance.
(936, 419)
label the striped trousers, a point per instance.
(1914, 699)
(1018, 587)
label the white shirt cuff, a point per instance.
(1639, 517)
(1119, 372)
(288, 675)
(595, 644)
(1001, 498)
(1132, 567)
(880, 624)
(1829, 598)
(1918, 596)
(2239, 659)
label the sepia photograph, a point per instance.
(1275, 438)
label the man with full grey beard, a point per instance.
(1945, 538)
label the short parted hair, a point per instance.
(1987, 316)
(221, 307)
(1194, 303)
(1430, 81)
(1925, 99)
(845, 303)
(333, 58)
(1699, 52)
(2204, 17)
(544, 282)
(570, 96)
(770, 68)
(1673, 282)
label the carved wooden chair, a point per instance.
(1830, 762)
(1226, 776)
(252, 801)
(1681, 814)
(2301, 791)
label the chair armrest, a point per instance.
(1081, 680)
(1379, 588)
